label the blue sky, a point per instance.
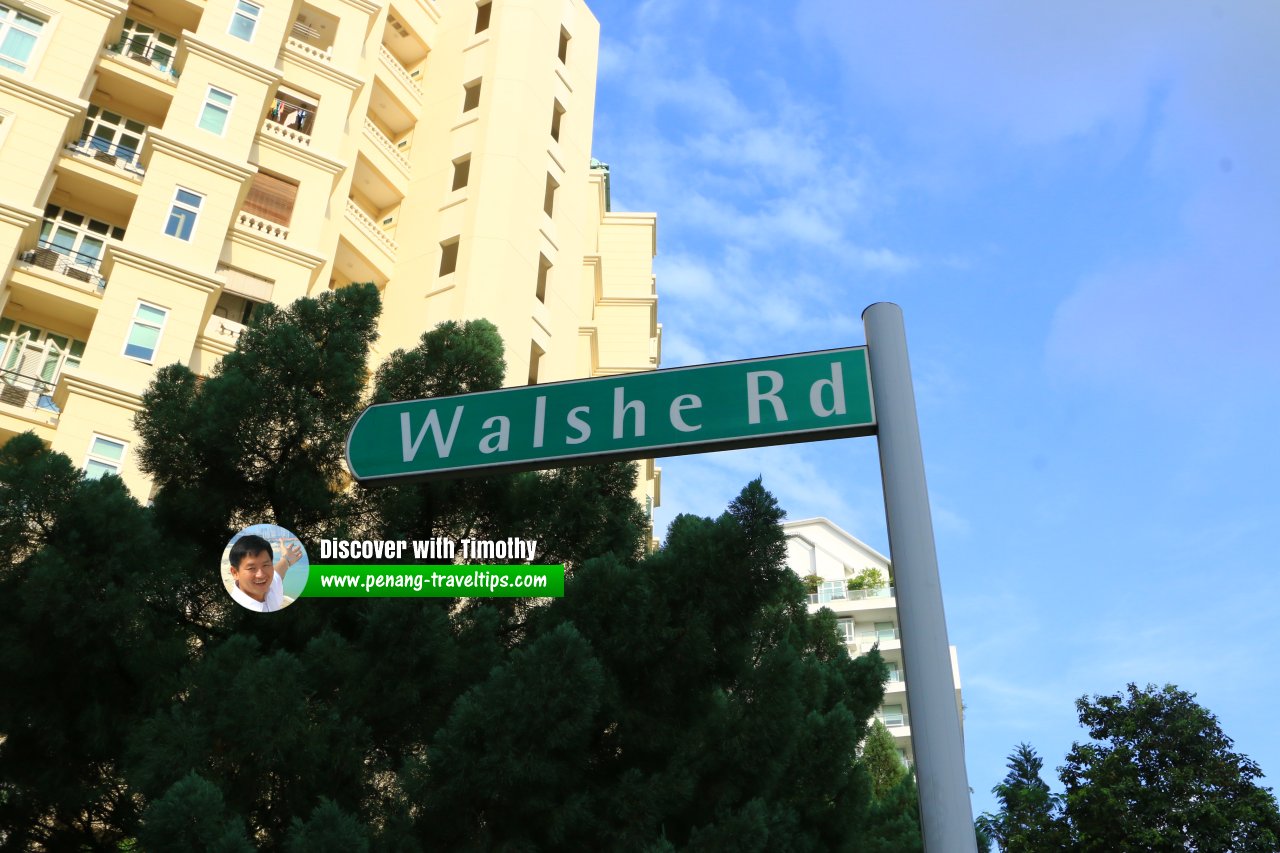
(1077, 207)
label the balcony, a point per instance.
(838, 591)
(31, 362)
(122, 157)
(272, 127)
(263, 227)
(159, 58)
(400, 81)
(370, 241)
(313, 32)
(385, 146)
(31, 394)
(64, 262)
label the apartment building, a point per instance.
(828, 558)
(170, 165)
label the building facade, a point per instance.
(169, 166)
(828, 558)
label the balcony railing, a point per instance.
(370, 228)
(157, 56)
(73, 265)
(324, 54)
(292, 134)
(265, 227)
(822, 596)
(121, 157)
(398, 71)
(28, 392)
(892, 721)
(388, 147)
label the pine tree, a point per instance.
(1028, 820)
(880, 757)
(683, 698)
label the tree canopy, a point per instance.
(678, 699)
(1157, 774)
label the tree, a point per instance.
(880, 757)
(683, 698)
(893, 822)
(1028, 820)
(868, 578)
(1159, 774)
(88, 645)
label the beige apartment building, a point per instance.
(169, 165)
(830, 557)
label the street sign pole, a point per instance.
(946, 815)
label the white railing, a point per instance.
(371, 229)
(398, 70)
(263, 226)
(291, 134)
(220, 328)
(388, 147)
(324, 54)
(828, 592)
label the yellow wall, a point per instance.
(373, 169)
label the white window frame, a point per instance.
(59, 222)
(899, 717)
(136, 322)
(224, 109)
(106, 462)
(9, 21)
(139, 38)
(178, 204)
(98, 125)
(245, 11)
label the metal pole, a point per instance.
(946, 815)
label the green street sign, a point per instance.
(777, 400)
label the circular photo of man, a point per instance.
(264, 567)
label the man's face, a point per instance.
(254, 575)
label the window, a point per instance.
(183, 213)
(244, 20)
(79, 238)
(19, 33)
(544, 270)
(471, 96)
(112, 134)
(144, 332)
(556, 112)
(895, 674)
(549, 199)
(564, 46)
(105, 456)
(144, 44)
(844, 627)
(448, 256)
(893, 716)
(886, 631)
(217, 106)
(271, 198)
(6, 122)
(828, 591)
(461, 172)
(36, 353)
(483, 13)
